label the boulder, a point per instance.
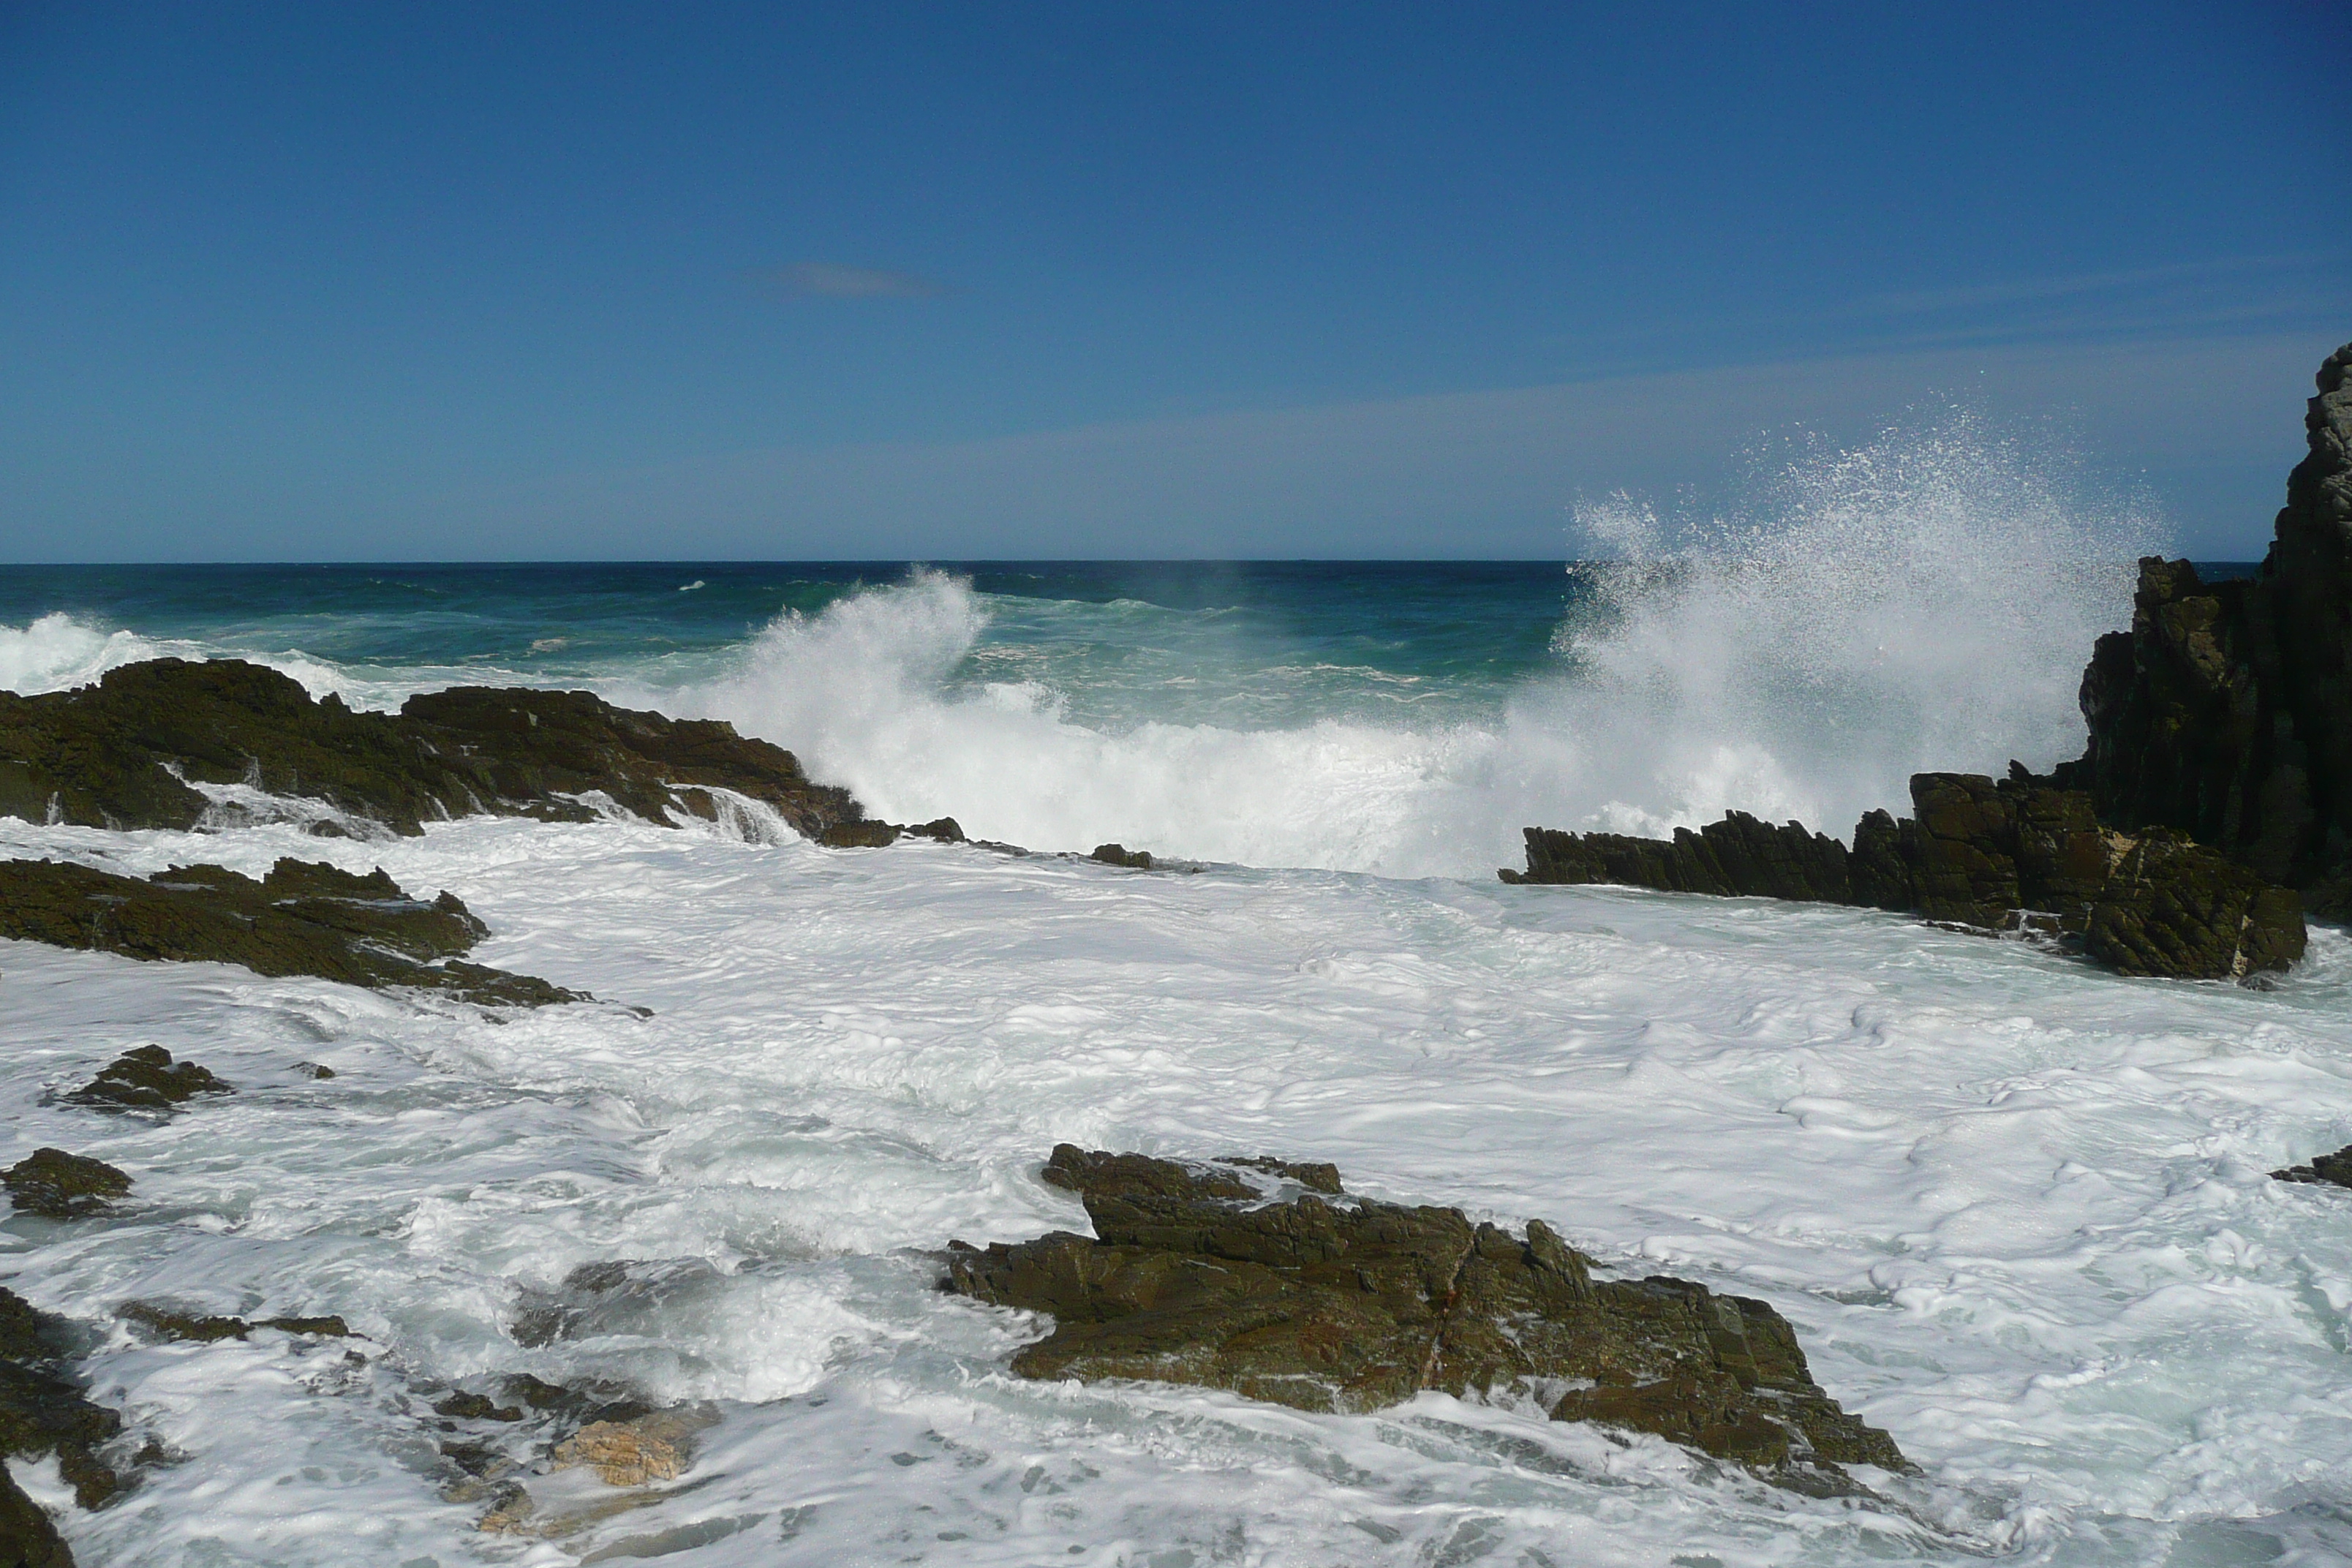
(300, 919)
(59, 1185)
(145, 1078)
(2020, 854)
(131, 752)
(1303, 1296)
(1121, 855)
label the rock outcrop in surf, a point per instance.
(2213, 803)
(2017, 856)
(2226, 712)
(303, 917)
(1264, 1278)
(43, 1408)
(171, 744)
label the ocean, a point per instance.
(2015, 1207)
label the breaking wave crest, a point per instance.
(1923, 603)
(57, 652)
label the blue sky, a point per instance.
(564, 280)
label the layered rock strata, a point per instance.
(2020, 854)
(2226, 712)
(301, 919)
(171, 744)
(1264, 1278)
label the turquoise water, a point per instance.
(1253, 643)
(1391, 717)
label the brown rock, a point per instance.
(59, 1185)
(1192, 1276)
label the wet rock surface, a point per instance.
(2020, 854)
(145, 1078)
(2226, 712)
(28, 1538)
(169, 1324)
(131, 750)
(1199, 1274)
(2335, 1170)
(302, 917)
(58, 1186)
(43, 1409)
(1121, 855)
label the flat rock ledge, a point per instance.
(1264, 1278)
(303, 917)
(2020, 856)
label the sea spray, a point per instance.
(1927, 601)
(58, 651)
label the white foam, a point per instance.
(57, 652)
(2015, 1208)
(1922, 604)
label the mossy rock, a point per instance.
(1198, 1273)
(301, 918)
(59, 1185)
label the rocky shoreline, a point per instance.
(2214, 800)
(2212, 804)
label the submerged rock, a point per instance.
(28, 1537)
(145, 1078)
(300, 919)
(2021, 854)
(2334, 1170)
(2226, 712)
(1198, 1274)
(170, 1324)
(656, 1446)
(59, 1185)
(42, 1407)
(141, 748)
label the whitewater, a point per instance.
(2016, 1209)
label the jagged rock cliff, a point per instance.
(2213, 804)
(2226, 710)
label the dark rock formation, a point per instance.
(42, 1409)
(2021, 854)
(2226, 712)
(169, 1324)
(1738, 855)
(1198, 1274)
(2334, 1170)
(28, 1537)
(859, 836)
(1121, 855)
(866, 833)
(301, 919)
(145, 1078)
(129, 751)
(59, 1185)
